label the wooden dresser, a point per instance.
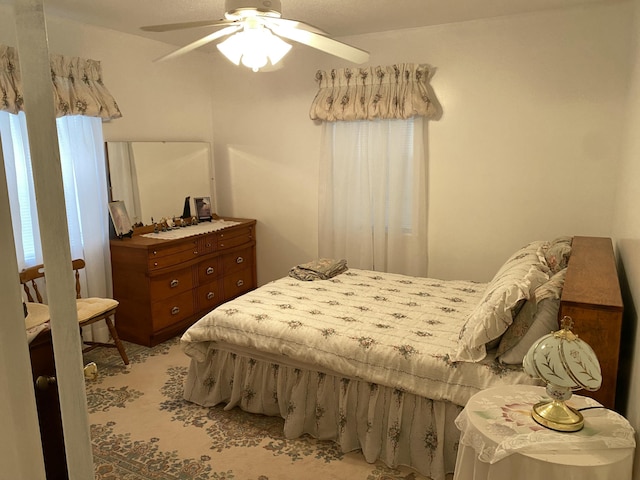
(595, 307)
(164, 286)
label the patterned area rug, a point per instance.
(142, 429)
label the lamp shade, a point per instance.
(565, 363)
(255, 46)
(563, 359)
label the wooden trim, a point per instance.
(47, 176)
(21, 453)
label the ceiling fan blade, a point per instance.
(325, 44)
(203, 41)
(181, 26)
(287, 23)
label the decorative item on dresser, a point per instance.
(165, 285)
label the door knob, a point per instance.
(43, 382)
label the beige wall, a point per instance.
(527, 146)
(627, 234)
(159, 101)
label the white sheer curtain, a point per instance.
(373, 194)
(85, 187)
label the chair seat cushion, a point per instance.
(92, 307)
(37, 314)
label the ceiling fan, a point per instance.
(255, 31)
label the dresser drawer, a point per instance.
(208, 243)
(236, 261)
(173, 248)
(208, 270)
(209, 296)
(170, 284)
(162, 256)
(235, 238)
(169, 311)
(177, 258)
(237, 283)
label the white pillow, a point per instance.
(512, 285)
(545, 321)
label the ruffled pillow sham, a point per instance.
(538, 317)
(512, 285)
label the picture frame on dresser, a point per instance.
(203, 208)
(120, 218)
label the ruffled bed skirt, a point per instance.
(386, 424)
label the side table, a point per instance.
(500, 441)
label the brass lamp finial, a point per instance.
(565, 332)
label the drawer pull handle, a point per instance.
(155, 252)
(210, 270)
(208, 245)
(175, 310)
(239, 260)
(240, 283)
(195, 252)
(155, 264)
(174, 283)
(210, 295)
(222, 245)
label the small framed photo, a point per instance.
(120, 218)
(203, 208)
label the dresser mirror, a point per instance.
(154, 178)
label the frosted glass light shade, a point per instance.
(254, 47)
(564, 360)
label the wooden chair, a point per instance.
(90, 310)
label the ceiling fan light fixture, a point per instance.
(277, 48)
(255, 46)
(240, 9)
(232, 48)
(256, 31)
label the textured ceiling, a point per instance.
(338, 17)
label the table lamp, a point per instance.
(565, 363)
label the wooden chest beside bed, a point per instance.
(163, 286)
(591, 297)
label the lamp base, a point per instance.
(558, 416)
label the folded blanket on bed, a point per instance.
(321, 269)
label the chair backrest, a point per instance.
(28, 277)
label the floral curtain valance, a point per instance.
(397, 91)
(77, 86)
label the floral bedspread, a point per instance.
(389, 329)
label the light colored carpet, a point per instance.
(141, 428)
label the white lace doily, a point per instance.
(200, 228)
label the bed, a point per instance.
(377, 361)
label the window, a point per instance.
(373, 194)
(85, 190)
